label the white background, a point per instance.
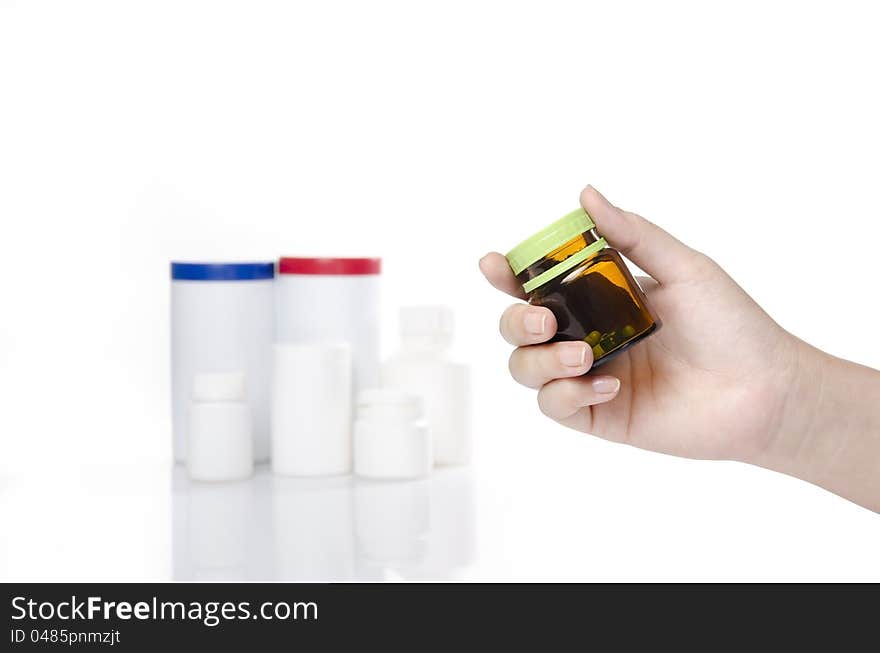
(132, 133)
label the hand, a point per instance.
(713, 382)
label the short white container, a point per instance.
(221, 321)
(332, 299)
(311, 409)
(391, 437)
(221, 442)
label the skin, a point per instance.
(689, 390)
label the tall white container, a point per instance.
(222, 321)
(332, 299)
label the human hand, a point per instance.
(714, 382)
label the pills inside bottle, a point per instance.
(570, 269)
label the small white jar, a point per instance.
(221, 321)
(391, 437)
(332, 300)
(221, 440)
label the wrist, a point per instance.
(829, 427)
(802, 384)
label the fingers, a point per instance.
(497, 271)
(562, 399)
(535, 366)
(522, 324)
(654, 250)
(651, 248)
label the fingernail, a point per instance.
(606, 385)
(573, 354)
(535, 322)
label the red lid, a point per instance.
(291, 265)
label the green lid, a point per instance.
(548, 239)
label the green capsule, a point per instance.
(628, 331)
(609, 341)
(593, 338)
(598, 352)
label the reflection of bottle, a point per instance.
(261, 528)
(217, 530)
(313, 529)
(422, 366)
(180, 558)
(450, 545)
(391, 520)
(220, 531)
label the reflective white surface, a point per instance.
(538, 506)
(323, 529)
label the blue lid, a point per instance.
(222, 271)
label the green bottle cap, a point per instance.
(548, 239)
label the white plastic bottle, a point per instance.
(332, 300)
(221, 433)
(311, 409)
(422, 366)
(221, 321)
(391, 438)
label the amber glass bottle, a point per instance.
(570, 269)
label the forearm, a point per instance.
(830, 433)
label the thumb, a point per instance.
(658, 253)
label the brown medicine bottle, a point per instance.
(570, 269)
